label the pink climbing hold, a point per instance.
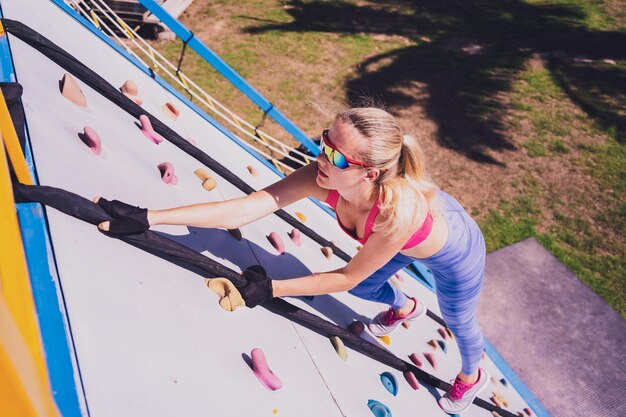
(91, 138)
(171, 110)
(432, 360)
(167, 173)
(277, 242)
(130, 90)
(263, 372)
(411, 379)
(356, 328)
(71, 90)
(415, 359)
(295, 237)
(148, 130)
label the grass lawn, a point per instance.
(520, 105)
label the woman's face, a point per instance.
(347, 140)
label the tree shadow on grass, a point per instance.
(462, 56)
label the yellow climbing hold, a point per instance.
(230, 297)
(385, 339)
(208, 182)
(301, 216)
(339, 347)
(275, 411)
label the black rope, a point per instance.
(182, 53)
(156, 244)
(99, 84)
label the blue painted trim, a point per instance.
(43, 279)
(514, 380)
(230, 74)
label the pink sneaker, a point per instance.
(461, 395)
(387, 321)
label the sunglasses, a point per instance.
(335, 156)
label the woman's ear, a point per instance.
(371, 174)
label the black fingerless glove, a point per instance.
(259, 289)
(127, 219)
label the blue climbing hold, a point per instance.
(379, 409)
(389, 382)
(442, 345)
(308, 297)
(503, 382)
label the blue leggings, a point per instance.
(458, 268)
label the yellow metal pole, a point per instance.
(13, 144)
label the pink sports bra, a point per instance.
(416, 238)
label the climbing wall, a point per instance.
(149, 337)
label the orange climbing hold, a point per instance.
(385, 339)
(327, 251)
(252, 170)
(276, 242)
(71, 90)
(295, 237)
(300, 216)
(171, 110)
(130, 90)
(432, 360)
(406, 324)
(91, 138)
(433, 343)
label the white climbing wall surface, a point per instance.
(149, 336)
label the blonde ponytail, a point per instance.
(404, 189)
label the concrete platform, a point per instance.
(563, 341)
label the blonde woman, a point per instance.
(373, 175)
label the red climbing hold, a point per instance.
(171, 110)
(415, 359)
(442, 332)
(432, 360)
(356, 328)
(411, 379)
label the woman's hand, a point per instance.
(259, 289)
(127, 219)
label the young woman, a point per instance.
(373, 176)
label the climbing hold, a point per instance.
(433, 344)
(494, 380)
(339, 347)
(171, 110)
(528, 412)
(496, 401)
(396, 284)
(389, 382)
(495, 414)
(503, 382)
(208, 182)
(484, 356)
(275, 411)
(356, 328)
(442, 345)
(385, 339)
(519, 414)
(253, 171)
(450, 333)
(379, 409)
(442, 332)
(230, 297)
(130, 90)
(190, 140)
(91, 138)
(277, 242)
(432, 360)
(148, 130)
(406, 324)
(300, 216)
(411, 379)
(129, 87)
(167, 173)
(295, 237)
(399, 277)
(415, 359)
(359, 247)
(71, 90)
(236, 233)
(262, 370)
(327, 251)
(501, 398)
